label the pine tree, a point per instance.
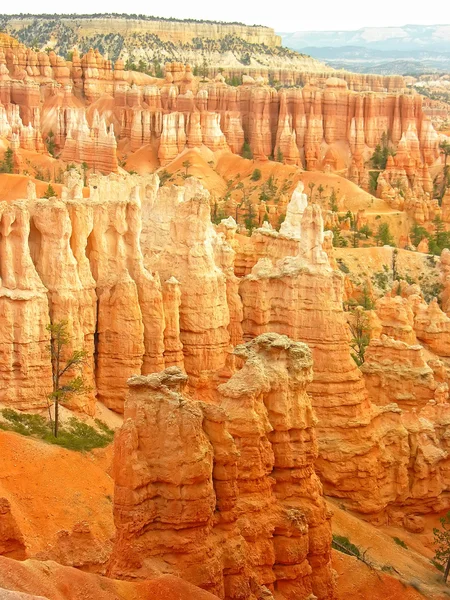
(59, 340)
(7, 164)
(49, 192)
(383, 235)
(360, 330)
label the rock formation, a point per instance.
(147, 282)
(88, 108)
(231, 500)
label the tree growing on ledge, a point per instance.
(187, 165)
(247, 151)
(7, 164)
(59, 340)
(49, 192)
(360, 330)
(383, 235)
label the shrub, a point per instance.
(246, 151)
(373, 181)
(400, 542)
(76, 435)
(256, 175)
(360, 330)
(343, 544)
(342, 266)
(164, 176)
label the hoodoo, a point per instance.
(224, 317)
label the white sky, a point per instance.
(285, 16)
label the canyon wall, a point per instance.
(146, 282)
(88, 108)
(167, 30)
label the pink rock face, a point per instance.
(211, 511)
(107, 283)
(330, 123)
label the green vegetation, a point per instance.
(49, 192)
(444, 147)
(381, 278)
(234, 81)
(50, 143)
(383, 236)
(342, 266)
(373, 181)
(333, 201)
(7, 164)
(360, 331)
(250, 222)
(217, 214)
(338, 240)
(343, 544)
(187, 165)
(400, 542)
(164, 176)
(417, 233)
(256, 175)
(247, 151)
(437, 240)
(84, 168)
(381, 153)
(62, 367)
(366, 231)
(76, 435)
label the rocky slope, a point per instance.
(149, 42)
(256, 361)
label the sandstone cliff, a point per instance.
(87, 107)
(147, 282)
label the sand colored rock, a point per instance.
(330, 123)
(25, 370)
(11, 538)
(51, 581)
(280, 539)
(184, 249)
(47, 512)
(113, 305)
(396, 372)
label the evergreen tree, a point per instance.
(383, 236)
(333, 201)
(360, 330)
(417, 233)
(7, 164)
(49, 192)
(247, 151)
(59, 340)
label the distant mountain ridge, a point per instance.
(411, 49)
(408, 37)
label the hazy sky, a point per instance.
(287, 15)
